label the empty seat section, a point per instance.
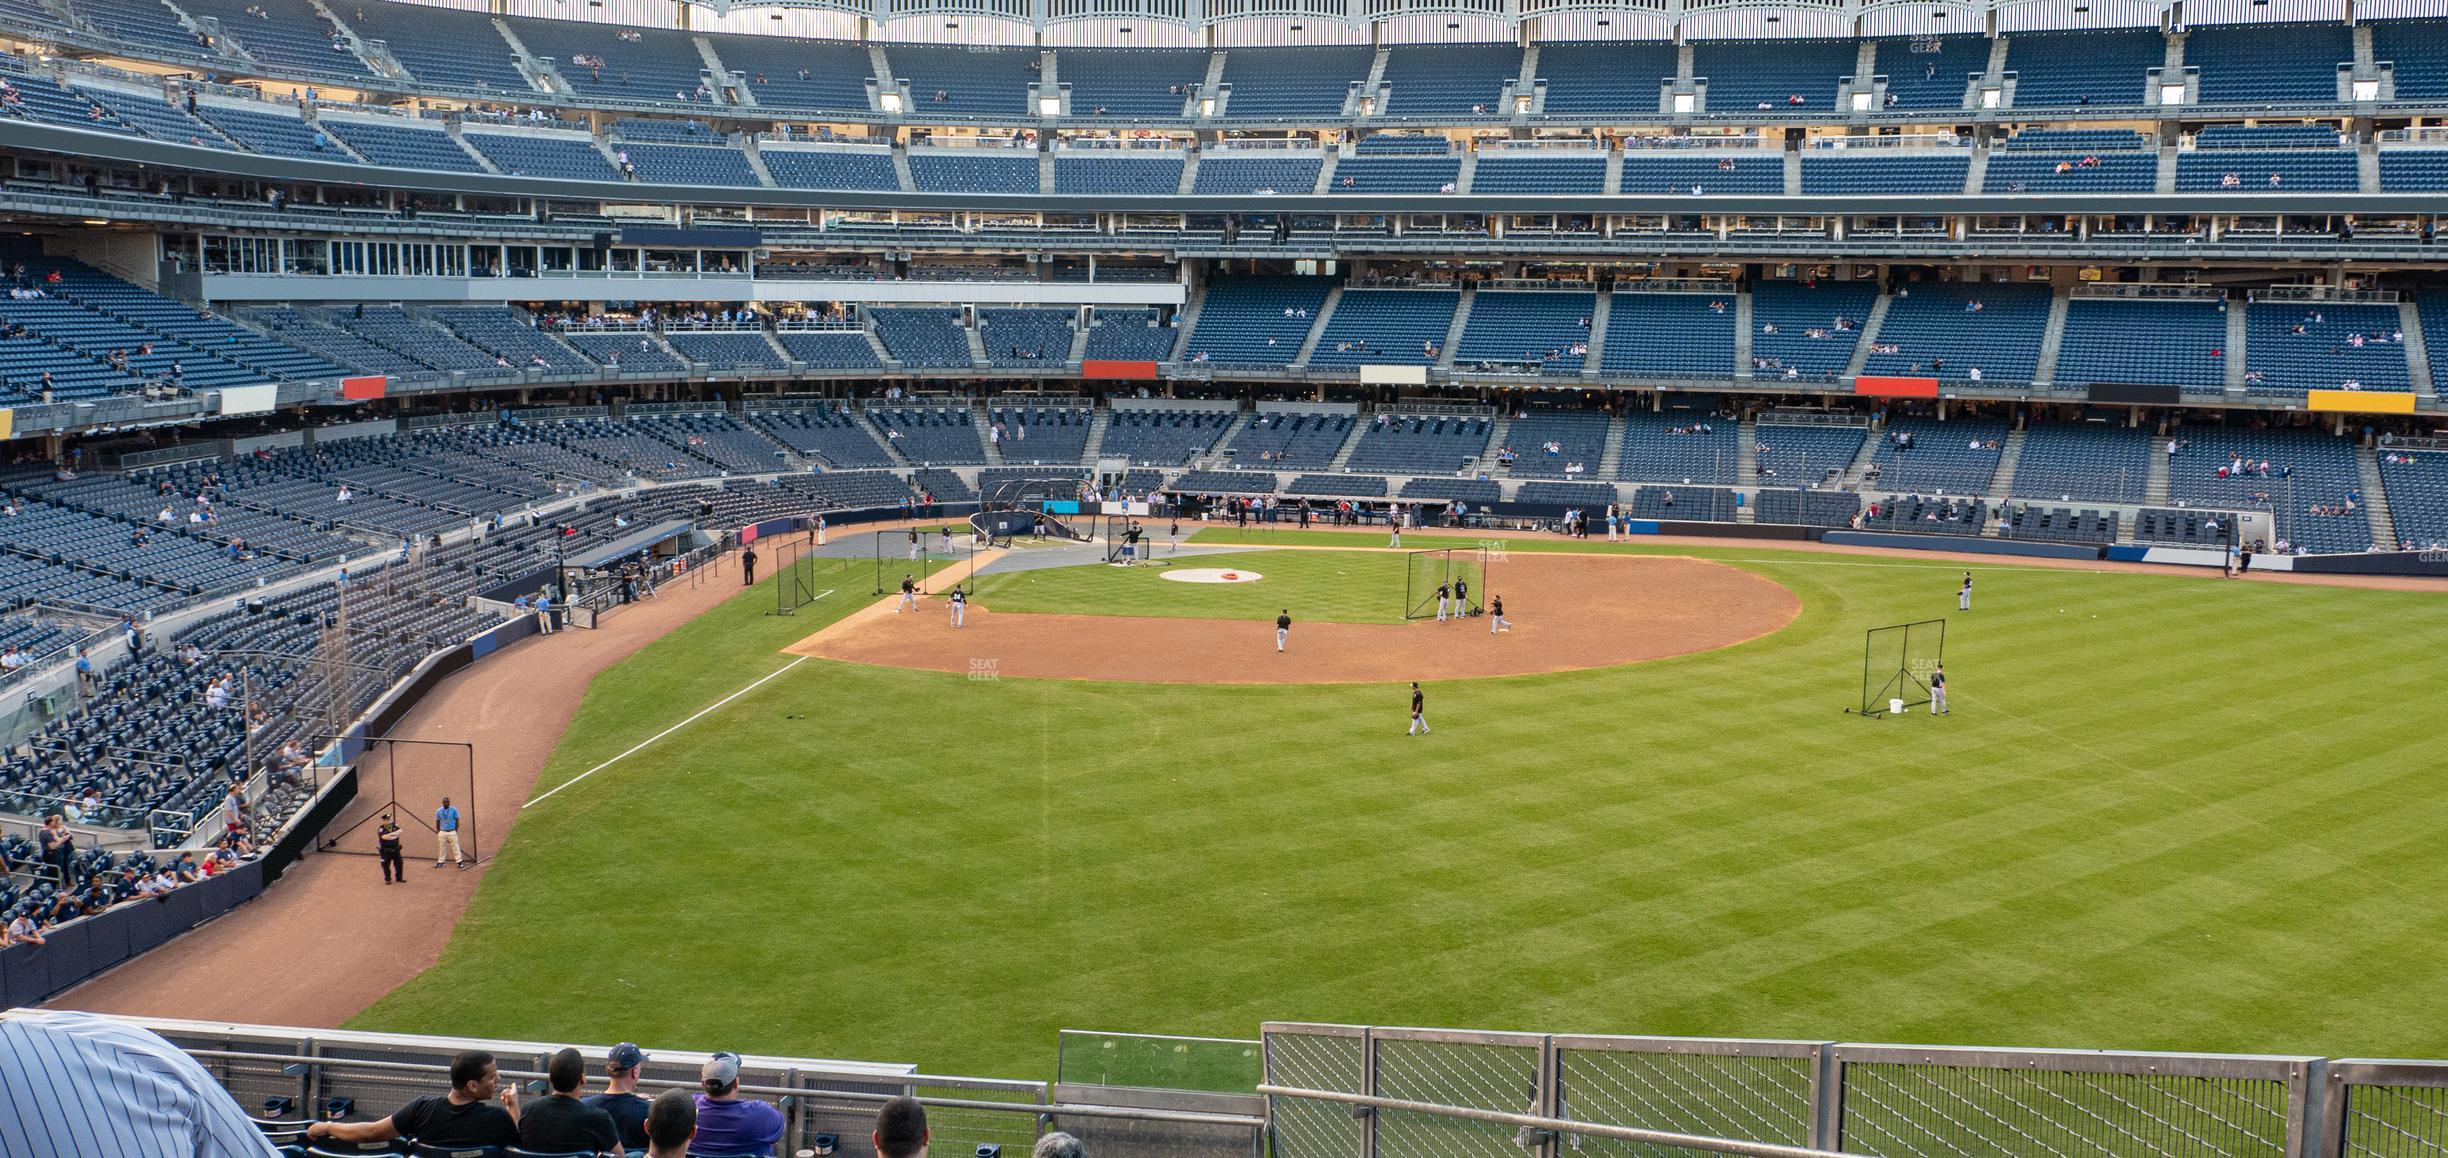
(2269, 63)
(1679, 447)
(1545, 332)
(1289, 440)
(931, 434)
(1150, 175)
(666, 130)
(392, 328)
(1445, 81)
(2144, 341)
(153, 118)
(965, 80)
(614, 61)
(2278, 136)
(1292, 84)
(406, 145)
(1599, 78)
(2308, 470)
(1164, 437)
(290, 36)
(830, 349)
(1552, 443)
(2032, 171)
(1255, 321)
(496, 329)
(837, 437)
(1946, 330)
(536, 155)
(2414, 170)
(2091, 461)
(1791, 454)
(1747, 74)
(333, 344)
(973, 171)
(1670, 335)
(631, 352)
(1532, 171)
(144, 23)
(1131, 84)
(1665, 171)
(2431, 309)
(831, 168)
(690, 164)
(1122, 334)
(2290, 347)
(2266, 171)
(1419, 443)
(1334, 486)
(922, 336)
(1780, 505)
(1884, 171)
(274, 134)
(1956, 457)
(736, 349)
(1023, 337)
(1809, 330)
(800, 75)
(2062, 69)
(1225, 173)
(2417, 483)
(1397, 163)
(1386, 327)
(1932, 72)
(2419, 51)
(443, 46)
(1043, 434)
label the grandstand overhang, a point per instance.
(1615, 19)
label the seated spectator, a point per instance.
(727, 1123)
(620, 1097)
(671, 1125)
(901, 1129)
(466, 1116)
(559, 1123)
(88, 1086)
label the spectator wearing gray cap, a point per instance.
(727, 1123)
(670, 1124)
(901, 1129)
(620, 1097)
(1059, 1145)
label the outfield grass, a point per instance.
(2167, 812)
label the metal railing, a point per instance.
(1370, 1092)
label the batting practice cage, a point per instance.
(407, 781)
(1154, 545)
(795, 576)
(919, 552)
(1460, 571)
(1896, 665)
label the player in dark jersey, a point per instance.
(1283, 628)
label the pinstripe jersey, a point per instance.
(73, 1085)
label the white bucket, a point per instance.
(1895, 707)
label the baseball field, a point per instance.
(2165, 811)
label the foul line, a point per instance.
(665, 732)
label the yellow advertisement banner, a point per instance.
(2361, 401)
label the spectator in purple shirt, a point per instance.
(728, 1124)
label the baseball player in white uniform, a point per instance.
(820, 530)
(1963, 598)
(960, 608)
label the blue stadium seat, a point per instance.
(1670, 335)
(2290, 347)
(974, 171)
(1449, 81)
(965, 80)
(1401, 327)
(2144, 340)
(2073, 69)
(1605, 77)
(1292, 84)
(1744, 75)
(1946, 330)
(1809, 331)
(822, 168)
(2269, 63)
(1131, 84)
(1931, 72)
(1269, 171)
(1255, 321)
(1548, 331)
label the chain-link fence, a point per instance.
(2385, 1109)
(1501, 1072)
(1315, 1057)
(1936, 1102)
(1759, 1091)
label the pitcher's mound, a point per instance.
(1209, 575)
(1569, 612)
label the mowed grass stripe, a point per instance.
(2198, 821)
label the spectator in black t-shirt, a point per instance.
(464, 1117)
(559, 1123)
(620, 1097)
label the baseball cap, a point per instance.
(721, 1071)
(627, 1056)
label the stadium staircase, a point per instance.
(1213, 85)
(901, 169)
(2367, 167)
(1317, 327)
(1498, 431)
(1189, 177)
(1326, 173)
(1097, 426)
(1857, 473)
(775, 342)
(883, 356)
(1351, 442)
(2010, 453)
(1045, 168)
(1591, 362)
(1187, 321)
(1468, 171)
(1453, 333)
(1976, 175)
(2165, 182)
(1610, 461)
(2044, 370)
(1079, 346)
(982, 419)
(2155, 484)
(1869, 337)
(881, 70)
(1526, 84)
(1746, 455)
(452, 130)
(977, 346)
(756, 163)
(1614, 174)
(1374, 87)
(378, 59)
(2417, 348)
(1793, 173)
(2235, 349)
(722, 72)
(1742, 332)
(2375, 497)
(529, 66)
